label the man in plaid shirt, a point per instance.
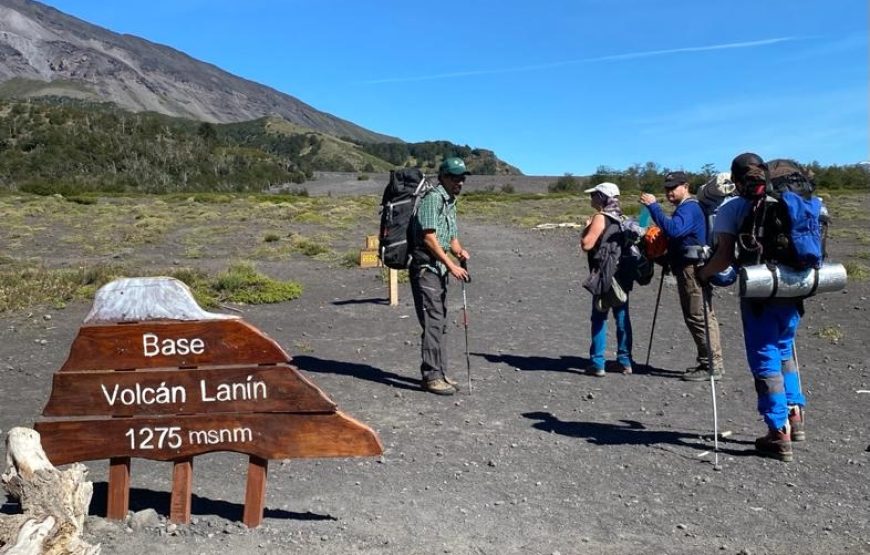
(435, 238)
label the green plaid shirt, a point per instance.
(436, 211)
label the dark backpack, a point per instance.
(398, 207)
(784, 226)
(633, 262)
(632, 265)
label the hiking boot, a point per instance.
(451, 381)
(595, 371)
(438, 386)
(701, 373)
(776, 444)
(796, 423)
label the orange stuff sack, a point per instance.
(655, 245)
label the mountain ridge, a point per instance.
(65, 56)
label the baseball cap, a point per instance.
(452, 166)
(675, 178)
(607, 189)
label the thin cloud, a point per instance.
(611, 58)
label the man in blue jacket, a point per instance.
(687, 227)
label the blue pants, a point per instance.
(769, 338)
(599, 335)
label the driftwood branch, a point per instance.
(54, 502)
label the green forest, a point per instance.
(67, 146)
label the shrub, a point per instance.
(309, 247)
(241, 283)
(566, 184)
(856, 271)
(832, 333)
(350, 259)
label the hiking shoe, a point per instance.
(595, 371)
(701, 373)
(627, 370)
(451, 381)
(438, 386)
(796, 423)
(776, 444)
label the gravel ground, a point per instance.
(540, 458)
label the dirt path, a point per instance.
(540, 459)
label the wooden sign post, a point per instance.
(169, 382)
(394, 287)
(370, 258)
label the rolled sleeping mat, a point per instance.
(761, 281)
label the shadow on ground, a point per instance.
(372, 300)
(10, 508)
(572, 364)
(356, 370)
(629, 432)
(159, 500)
(575, 365)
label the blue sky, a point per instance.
(553, 87)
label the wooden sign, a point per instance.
(372, 242)
(368, 258)
(137, 384)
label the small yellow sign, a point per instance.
(371, 242)
(368, 258)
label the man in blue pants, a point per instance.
(769, 327)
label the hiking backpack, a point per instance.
(710, 196)
(784, 226)
(399, 204)
(633, 264)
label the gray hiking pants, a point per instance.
(430, 301)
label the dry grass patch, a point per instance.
(834, 334)
(856, 271)
(23, 287)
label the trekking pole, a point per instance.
(797, 369)
(707, 293)
(655, 315)
(797, 366)
(464, 265)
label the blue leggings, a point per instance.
(599, 335)
(768, 335)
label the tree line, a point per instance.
(650, 176)
(428, 154)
